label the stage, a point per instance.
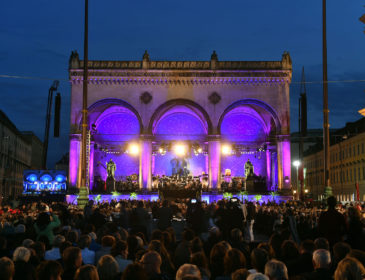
(206, 196)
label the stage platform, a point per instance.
(153, 196)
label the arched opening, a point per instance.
(114, 125)
(248, 127)
(180, 124)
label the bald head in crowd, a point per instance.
(321, 259)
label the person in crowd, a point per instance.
(257, 276)
(356, 230)
(322, 266)
(240, 274)
(107, 243)
(200, 260)
(340, 250)
(45, 225)
(349, 269)
(23, 269)
(88, 256)
(72, 260)
(321, 243)
(276, 270)
(259, 258)
(7, 269)
(87, 272)
(237, 241)
(151, 262)
(187, 270)
(217, 255)
(164, 215)
(108, 268)
(134, 271)
(357, 254)
(49, 270)
(250, 220)
(120, 252)
(332, 224)
(233, 260)
(140, 218)
(167, 266)
(182, 252)
(54, 253)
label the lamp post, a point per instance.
(296, 163)
(83, 189)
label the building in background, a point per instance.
(36, 147)
(347, 164)
(15, 156)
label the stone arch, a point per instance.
(256, 105)
(198, 110)
(96, 110)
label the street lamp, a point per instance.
(297, 163)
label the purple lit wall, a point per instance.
(286, 162)
(74, 161)
(196, 164)
(237, 164)
(179, 126)
(242, 127)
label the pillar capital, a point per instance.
(146, 137)
(75, 137)
(214, 137)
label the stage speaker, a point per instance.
(57, 113)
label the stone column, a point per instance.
(74, 161)
(145, 163)
(284, 163)
(214, 154)
(268, 168)
(91, 165)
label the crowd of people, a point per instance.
(228, 239)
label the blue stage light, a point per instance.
(46, 178)
(32, 178)
(60, 178)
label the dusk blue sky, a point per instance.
(37, 38)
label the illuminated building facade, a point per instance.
(146, 115)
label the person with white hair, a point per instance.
(257, 276)
(276, 270)
(23, 269)
(321, 264)
(188, 270)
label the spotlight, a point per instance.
(180, 150)
(200, 150)
(226, 150)
(133, 149)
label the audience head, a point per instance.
(85, 241)
(259, 258)
(133, 272)
(199, 259)
(107, 241)
(240, 274)
(27, 243)
(87, 272)
(72, 258)
(276, 270)
(107, 268)
(340, 250)
(331, 202)
(349, 269)
(321, 258)
(307, 246)
(7, 268)
(58, 240)
(233, 260)
(321, 243)
(257, 276)
(120, 248)
(49, 270)
(188, 270)
(151, 262)
(289, 250)
(21, 254)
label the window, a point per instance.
(359, 174)
(349, 151)
(350, 175)
(347, 175)
(354, 151)
(362, 148)
(358, 149)
(355, 174)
